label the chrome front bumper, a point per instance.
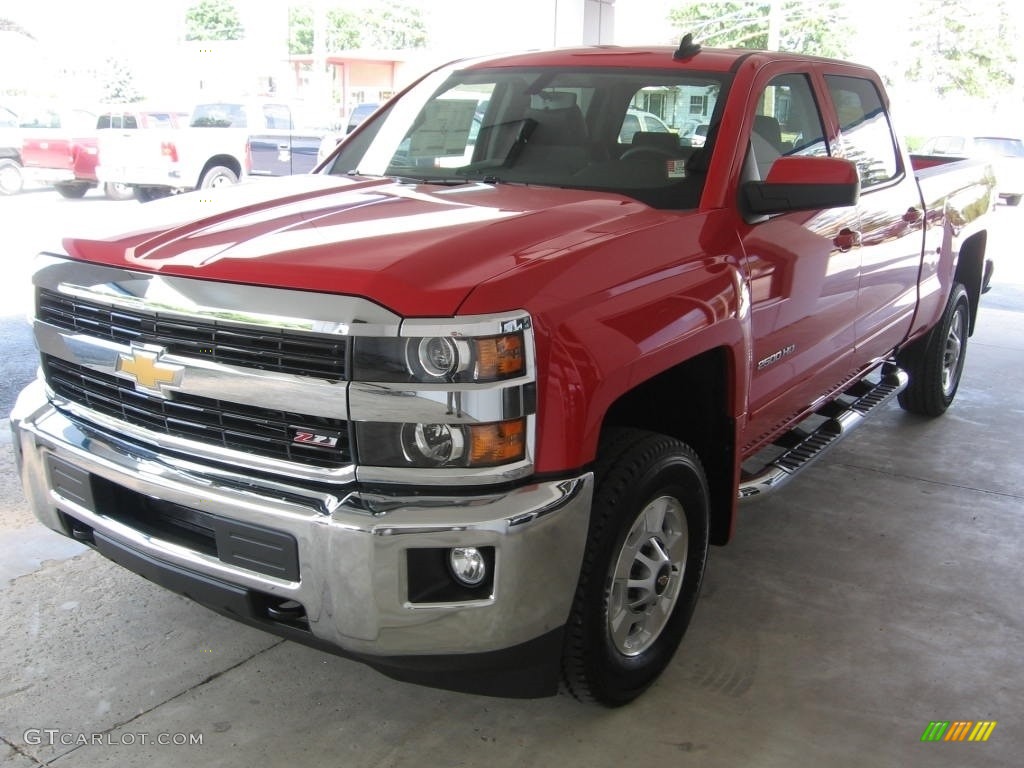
(352, 547)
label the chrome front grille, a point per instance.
(250, 376)
(260, 431)
(322, 356)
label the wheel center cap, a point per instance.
(662, 582)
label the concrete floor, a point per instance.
(878, 592)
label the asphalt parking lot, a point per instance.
(877, 593)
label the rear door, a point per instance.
(270, 140)
(890, 215)
(305, 144)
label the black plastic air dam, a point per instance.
(529, 670)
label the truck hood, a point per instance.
(416, 249)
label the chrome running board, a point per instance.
(801, 446)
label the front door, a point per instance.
(803, 269)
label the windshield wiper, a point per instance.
(406, 179)
(445, 182)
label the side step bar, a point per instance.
(797, 449)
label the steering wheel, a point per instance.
(648, 149)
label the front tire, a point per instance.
(935, 362)
(642, 567)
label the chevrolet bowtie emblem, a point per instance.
(149, 372)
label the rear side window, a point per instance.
(43, 118)
(867, 137)
(120, 121)
(157, 120)
(219, 116)
(277, 117)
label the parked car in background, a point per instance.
(224, 142)
(1006, 154)
(11, 178)
(359, 113)
(695, 134)
(331, 139)
(59, 148)
(68, 157)
(638, 120)
(127, 121)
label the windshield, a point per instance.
(606, 129)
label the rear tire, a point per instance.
(218, 176)
(642, 568)
(71, 190)
(935, 362)
(148, 194)
(118, 191)
(12, 181)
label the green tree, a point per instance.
(802, 26)
(213, 20)
(343, 29)
(395, 25)
(383, 25)
(960, 47)
(118, 82)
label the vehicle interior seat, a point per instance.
(667, 142)
(765, 143)
(659, 177)
(768, 128)
(559, 138)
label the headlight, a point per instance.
(441, 445)
(445, 395)
(432, 359)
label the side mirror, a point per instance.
(803, 184)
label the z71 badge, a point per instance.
(318, 439)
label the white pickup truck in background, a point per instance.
(225, 141)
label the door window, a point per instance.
(277, 117)
(786, 122)
(867, 137)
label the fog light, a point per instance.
(468, 565)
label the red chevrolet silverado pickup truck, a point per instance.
(470, 402)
